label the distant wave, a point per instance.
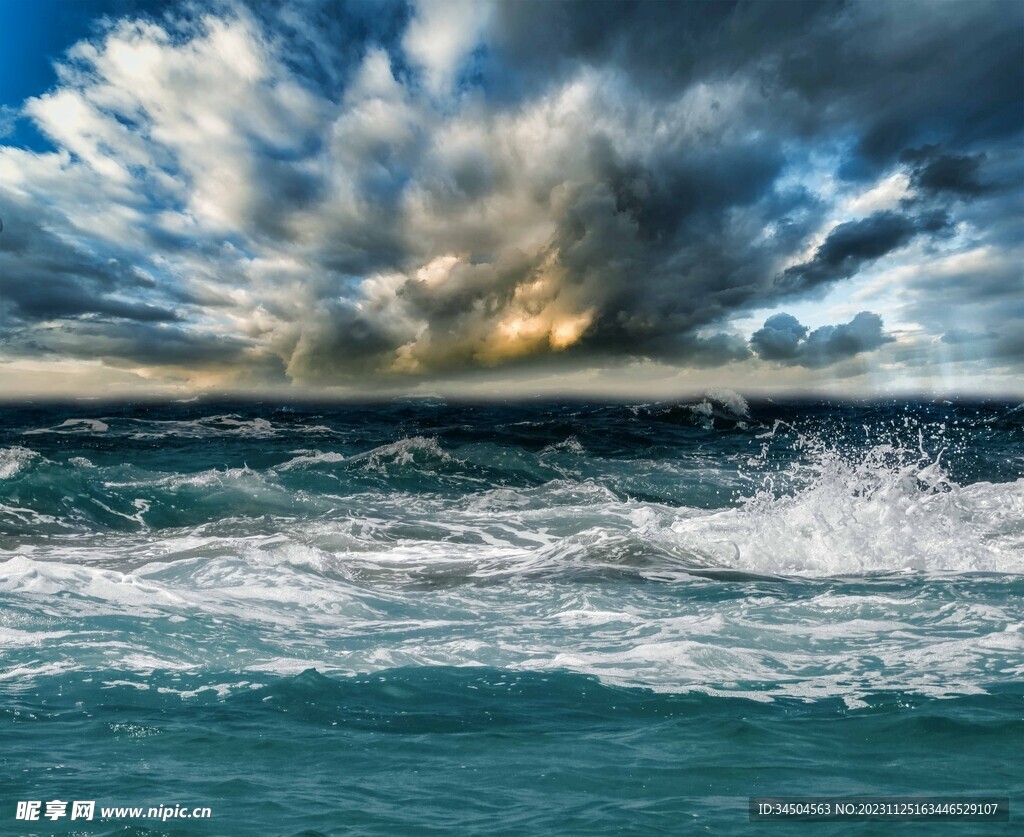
(73, 426)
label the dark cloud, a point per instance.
(869, 68)
(131, 344)
(780, 338)
(783, 339)
(1009, 347)
(854, 244)
(876, 67)
(340, 343)
(660, 46)
(953, 174)
(701, 352)
(44, 276)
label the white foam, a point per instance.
(199, 479)
(12, 460)
(220, 689)
(311, 458)
(272, 609)
(17, 638)
(730, 400)
(229, 424)
(31, 516)
(570, 445)
(885, 510)
(208, 426)
(25, 575)
(84, 425)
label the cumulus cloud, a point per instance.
(302, 192)
(785, 340)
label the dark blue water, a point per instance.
(422, 617)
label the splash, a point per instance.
(889, 508)
(731, 401)
(13, 460)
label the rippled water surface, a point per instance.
(547, 618)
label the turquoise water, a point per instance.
(545, 618)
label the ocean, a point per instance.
(421, 617)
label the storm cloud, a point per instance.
(851, 245)
(320, 194)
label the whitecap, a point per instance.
(83, 425)
(310, 458)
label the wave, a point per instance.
(76, 426)
(729, 400)
(205, 427)
(218, 425)
(416, 451)
(570, 445)
(718, 409)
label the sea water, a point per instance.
(535, 618)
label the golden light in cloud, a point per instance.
(569, 330)
(520, 334)
(517, 334)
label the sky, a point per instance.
(511, 199)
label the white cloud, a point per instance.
(441, 36)
(886, 194)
